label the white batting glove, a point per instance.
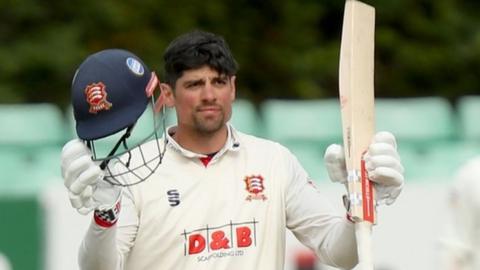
(334, 159)
(382, 163)
(83, 179)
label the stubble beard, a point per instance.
(208, 126)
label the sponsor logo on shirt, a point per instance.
(173, 197)
(222, 241)
(254, 186)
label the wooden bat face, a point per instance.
(356, 91)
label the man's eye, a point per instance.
(220, 82)
(193, 84)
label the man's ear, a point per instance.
(165, 98)
(167, 92)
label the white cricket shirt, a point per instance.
(229, 214)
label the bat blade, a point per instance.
(356, 92)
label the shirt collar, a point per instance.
(232, 144)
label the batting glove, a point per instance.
(382, 163)
(84, 180)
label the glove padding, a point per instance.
(382, 163)
(83, 179)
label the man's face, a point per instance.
(203, 99)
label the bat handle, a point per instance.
(363, 234)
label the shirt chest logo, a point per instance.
(255, 187)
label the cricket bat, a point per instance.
(356, 92)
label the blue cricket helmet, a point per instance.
(109, 93)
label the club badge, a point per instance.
(254, 186)
(96, 96)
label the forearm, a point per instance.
(339, 248)
(321, 228)
(107, 244)
(331, 238)
(318, 224)
(99, 249)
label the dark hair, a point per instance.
(196, 49)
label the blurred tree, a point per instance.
(285, 48)
(428, 48)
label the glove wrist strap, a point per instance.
(346, 204)
(108, 217)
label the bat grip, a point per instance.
(363, 234)
(354, 194)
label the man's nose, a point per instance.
(208, 92)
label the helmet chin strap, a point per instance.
(122, 140)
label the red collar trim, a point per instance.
(206, 160)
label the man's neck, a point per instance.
(200, 142)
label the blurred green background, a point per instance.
(286, 49)
(426, 79)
